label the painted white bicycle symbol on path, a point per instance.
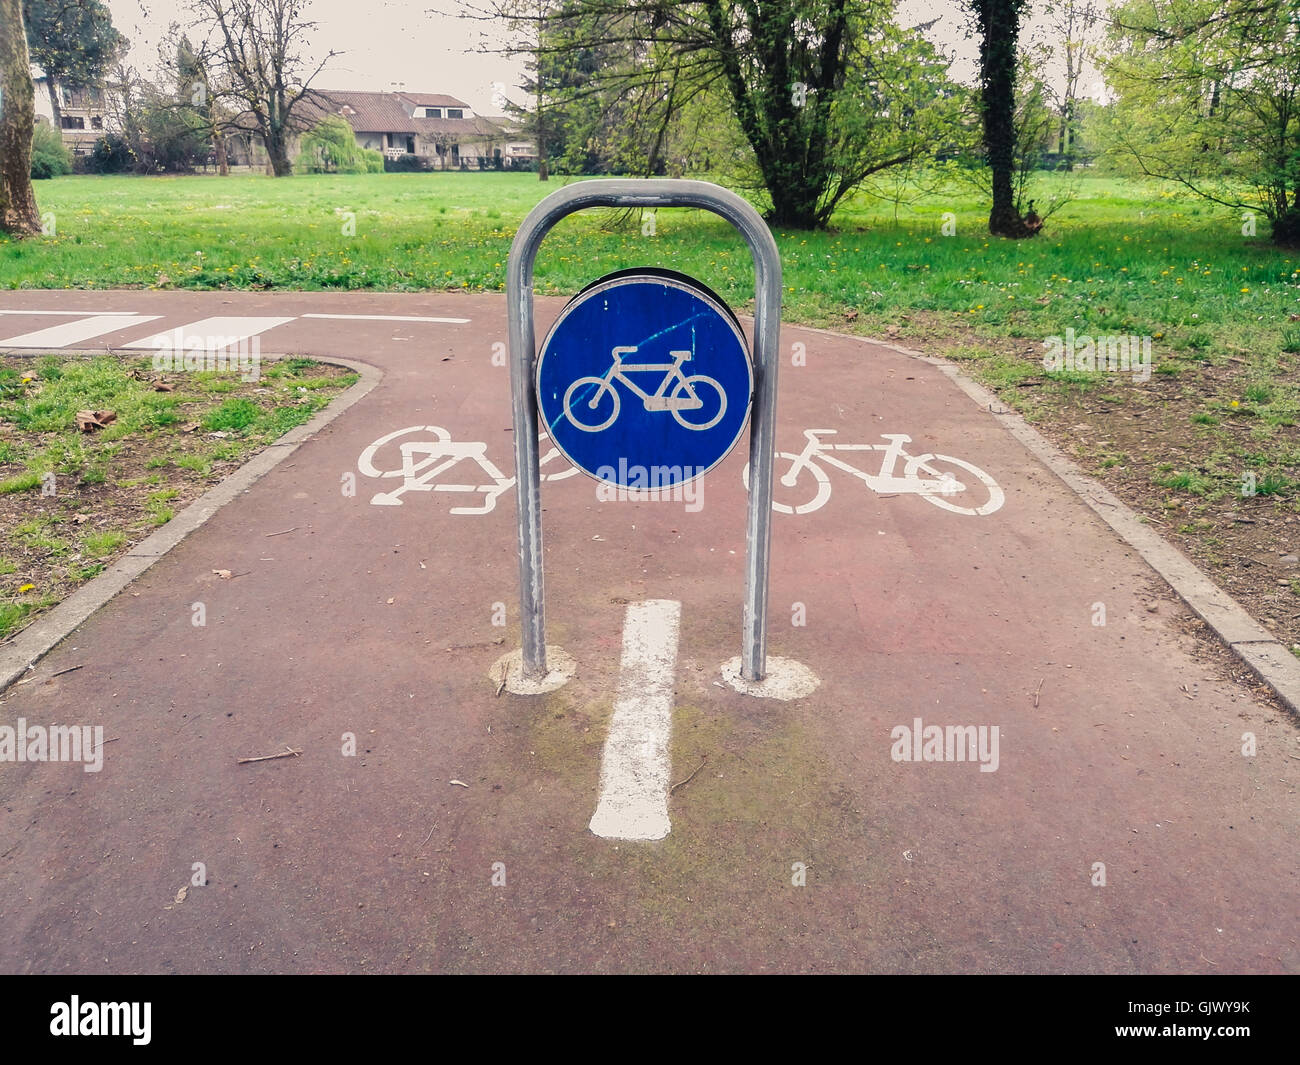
(963, 488)
(580, 395)
(419, 463)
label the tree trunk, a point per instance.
(1286, 229)
(277, 152)
(543, 171)
(999, 25)
(18, 214)
(52, 90)
(219, 145)
(793, 206)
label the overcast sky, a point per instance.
(388, 44)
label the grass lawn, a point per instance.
(1222, 310)
(71, 502)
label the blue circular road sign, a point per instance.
(645, 381)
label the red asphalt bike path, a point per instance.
(1120, 830)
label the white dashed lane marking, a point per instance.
(635, 767)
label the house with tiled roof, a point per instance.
(441, 130)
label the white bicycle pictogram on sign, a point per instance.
(967, 490)
(682, 398)
(419, 463)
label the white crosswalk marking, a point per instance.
(210, 334)
(60, 336)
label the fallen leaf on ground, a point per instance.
(163, 386)
(80, 519)
(460, 783)
(89, 420)
(224, 574)
(180, 895)
(189, 427)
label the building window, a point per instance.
(73, 122)
(455, 112)
(97, 122)
(433, 112)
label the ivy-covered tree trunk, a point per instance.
(18, 214)
(999, 28)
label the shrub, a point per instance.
(408, 164)
(111, 155)
(50, 157)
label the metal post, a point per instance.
(654, 193)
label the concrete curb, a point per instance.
(1251, 642)
(33, 643)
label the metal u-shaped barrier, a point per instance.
(650, 192)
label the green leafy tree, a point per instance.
(175, 139)
(74, 43)
(804, 82)
(331, 148)
(609, 106)
(1209, 96)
